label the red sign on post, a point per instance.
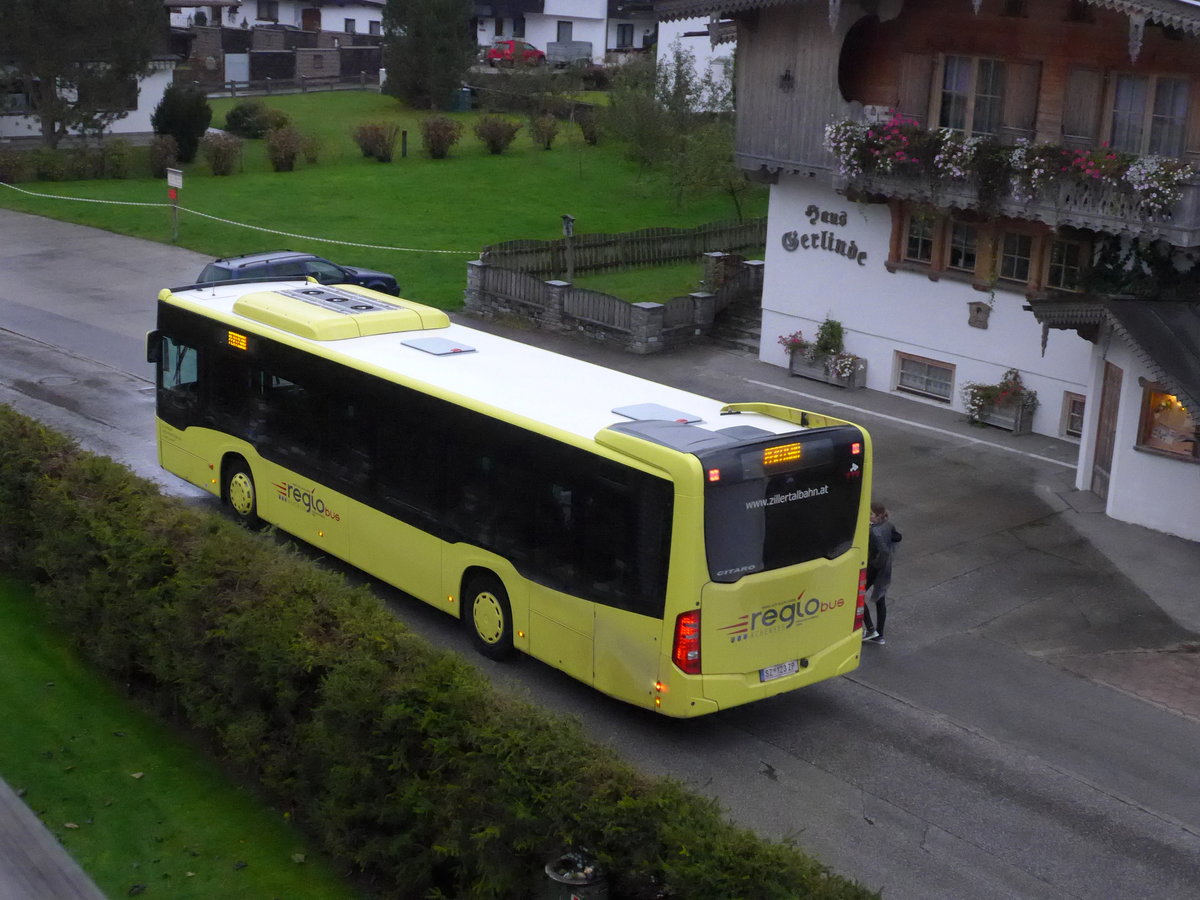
(172, 194)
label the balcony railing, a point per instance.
(1070, 203)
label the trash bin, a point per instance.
(575, 875)
(462, 102)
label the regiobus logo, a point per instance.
(779, 617)
(293, 493)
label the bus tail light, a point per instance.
(685, 650)
(860, 608)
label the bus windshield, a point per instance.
(782, 502)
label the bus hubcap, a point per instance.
(489, 619)
(241, 494)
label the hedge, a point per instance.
(399, 757)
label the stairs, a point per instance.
(738, 327)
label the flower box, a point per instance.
(817, 368)
(1014, 417)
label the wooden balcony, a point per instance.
(1070, 204)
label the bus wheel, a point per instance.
(488, 616)
(240, 493)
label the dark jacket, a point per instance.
(880, 550)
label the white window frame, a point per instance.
(922, 361)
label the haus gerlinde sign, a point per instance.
(829, 241)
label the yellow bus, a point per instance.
(673, 551)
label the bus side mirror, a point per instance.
(153, 347)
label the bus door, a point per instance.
(178, 406)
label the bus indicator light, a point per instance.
(785, 453)
(714, 474)
(236, 341)
(856, 449)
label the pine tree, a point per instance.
(78, 59)
(428, 48)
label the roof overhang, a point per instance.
(1165, 334)
(1181, 14)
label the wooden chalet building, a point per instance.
(974, 186)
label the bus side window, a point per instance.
(179, 370)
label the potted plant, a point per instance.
(1005, 404)
(825, 358)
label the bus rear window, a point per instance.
(777, 504)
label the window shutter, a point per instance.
(1021, 83)
(916, 69)
(1082, 107)
(1193, 127)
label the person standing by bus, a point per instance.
(881, 548)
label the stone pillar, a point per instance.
(552, 315)
(714, 269)
(704, 310)
(474, 300)
(757, 268)
(647, 327)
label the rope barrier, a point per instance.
(196, 212)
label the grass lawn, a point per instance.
(133, 802)
(457, 205)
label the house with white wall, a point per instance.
(1053, 227)
(349, 16)
(610, 26)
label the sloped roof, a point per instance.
(1165, 334)
(1182, 14)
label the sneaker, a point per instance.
(871, 635)
(877, 638)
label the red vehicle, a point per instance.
(511, 52)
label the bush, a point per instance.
(589, 127)
(496, 133)
(310, 148)
(14, 165)
(221, 151)
(48, 165)
(164, 154)
(543, 130)
(118, 158)
(283, 146)
(398, 756)
(253, 119)
(184, 114)
(439, 134)
(84, 163)
(377, 139)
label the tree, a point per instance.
(184, 114)
(77, 59)
(428, 48)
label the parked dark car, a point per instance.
(289, 262)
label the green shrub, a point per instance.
(589, 127)
(14, 165)
(184, 114)
(49, 165)
(439, 134)
(253, 119)
(164, 154)
(221, 151)
(496, 133)
(399, 757)
(543, 130)
(377, 139)
(283, 146)
(310, 148)
(84, 163)
(118, 158)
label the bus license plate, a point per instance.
(770, 673)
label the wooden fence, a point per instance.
(648, 247)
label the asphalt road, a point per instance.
(997, 747)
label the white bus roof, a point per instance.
(577, 397)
